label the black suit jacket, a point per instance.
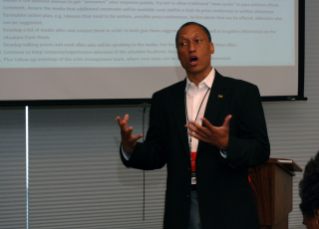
(224, 194)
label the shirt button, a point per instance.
(187, 196)
(189, 169)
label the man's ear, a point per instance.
(212, 48)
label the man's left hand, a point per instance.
(216, 136)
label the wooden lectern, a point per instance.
(272, 187)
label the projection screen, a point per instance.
(55, 50)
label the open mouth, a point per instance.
(193, 60)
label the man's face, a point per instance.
(194, 50)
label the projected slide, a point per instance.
(129, 33)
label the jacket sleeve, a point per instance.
(250, 147)
(150, 154)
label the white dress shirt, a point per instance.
(196, 100)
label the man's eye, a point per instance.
(198, 41)
(183, 43)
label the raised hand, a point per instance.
(216, 136)
(128, 139)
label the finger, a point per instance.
(202, 131)
(227, 120)
(199, 137)
(204, 139)
(126, 118)
(127, 133)
(131, 142)
(191, 127)
(207, 123)
(123, 123)
(119, 120)
(194, 123)
(135, 138)
(197, 126)
(200, 127)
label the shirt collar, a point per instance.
(207, 82)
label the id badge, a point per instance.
(193, 179)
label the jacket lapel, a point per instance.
(218, 95)
(178, 113)
(215, 101)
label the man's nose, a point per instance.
(191, 47)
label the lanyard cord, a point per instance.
(187, 118)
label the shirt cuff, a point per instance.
(125, 154)
(223, 153)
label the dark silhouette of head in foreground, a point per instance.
(309, 193)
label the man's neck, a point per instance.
(197, 78)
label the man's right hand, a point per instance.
(128, 140)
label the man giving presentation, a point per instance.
(208, 129)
